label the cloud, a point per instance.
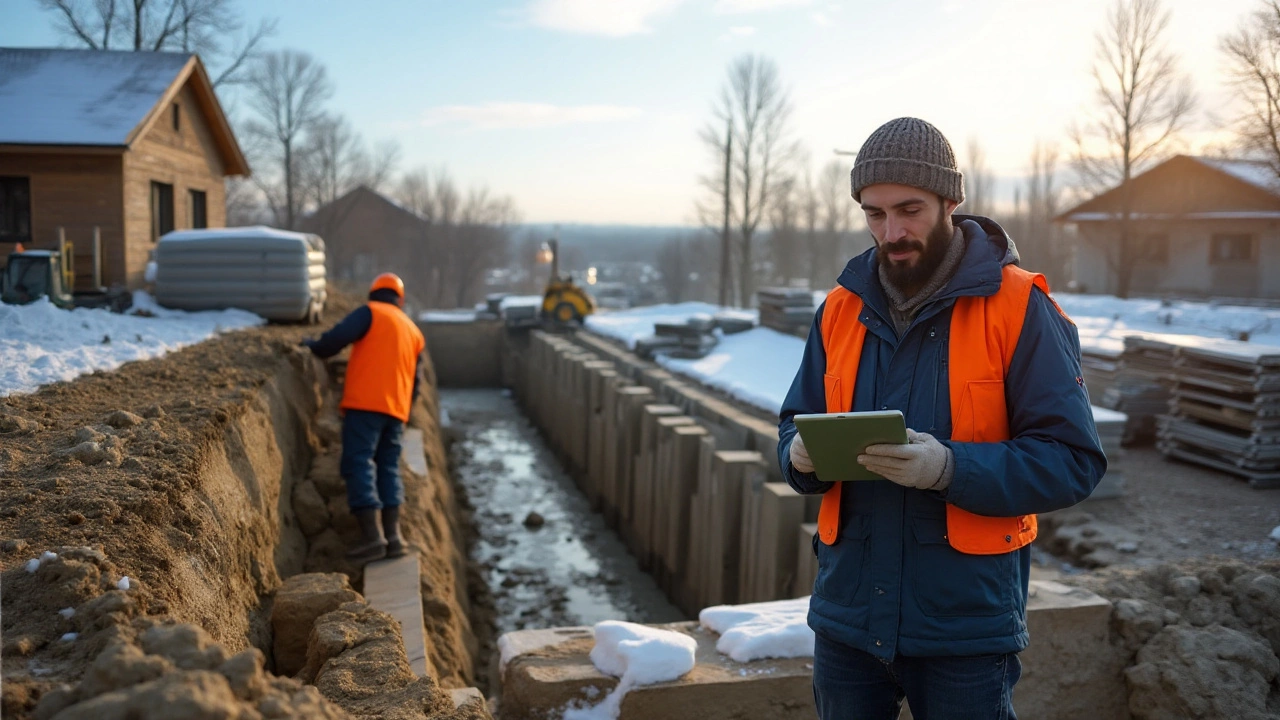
(507, 115)
(742, 31)
(593, 17)
(821, 19)
(738, 7)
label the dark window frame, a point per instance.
(161, 209)
(1225, 248)
(15, 208)
(198, 203)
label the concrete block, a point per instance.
(542, 683)
(806, 561)
(394, 587)
(465, 354)
(781, 513)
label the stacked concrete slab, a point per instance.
(1111, 431)
(1142, 386)
(786, 310)
(1225, 412)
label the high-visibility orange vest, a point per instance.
(381, 369)
(984, 334)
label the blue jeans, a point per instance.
(850, 684)
(371, 439)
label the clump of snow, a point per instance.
(67, 612)
(1275, 533)
(124, 583)
(70, 637)
(41, 343)
(33, 565)
(777, 629)
(639, 655)
(520, 301)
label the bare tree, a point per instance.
(210, 28)
(754, 109)
(287, 91)
(836, 206)
(786, 240)
(979, 184)
(1040, 239)
(715, 211)
(1143, 102)
(484, 232)
(1253, 54)
(335, 161)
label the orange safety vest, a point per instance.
(381, 369)
(984, 334)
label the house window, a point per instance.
(177, 118)
(15, 209)
(1233, 248)
(161, 209)
(199, 217)
(1154, 248)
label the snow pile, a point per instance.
(755, 366)
(447, 316)
(1108, 318)
(1275, 533)
(776, 629)
(41, 343)
(628, 326)
(639, 655)
(520, 301)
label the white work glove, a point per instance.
(923, 463)
(799, 456)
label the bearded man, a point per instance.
(922, 582)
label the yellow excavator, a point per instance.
(564, 302)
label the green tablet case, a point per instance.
(834, 440)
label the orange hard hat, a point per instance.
(388, 281)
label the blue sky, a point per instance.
(588, 110)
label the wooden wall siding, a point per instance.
(76, 192)
(188, 160)
(364, 224)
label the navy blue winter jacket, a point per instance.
(891, 584)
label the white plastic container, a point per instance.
(276, 274)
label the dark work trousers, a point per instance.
(849, 684)
(371, 441)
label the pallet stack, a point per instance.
(786, 310)
(1225, 412)
(1100, 363)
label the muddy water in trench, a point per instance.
(573, 570)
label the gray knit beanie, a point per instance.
(908, 151)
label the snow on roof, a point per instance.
(1254, 172)
(80, 97)
(237, 233)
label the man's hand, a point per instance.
(923, 463)
(799, 456)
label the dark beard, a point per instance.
(910, 278)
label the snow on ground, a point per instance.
(41, 343)
(628, 326)
(755, 366)
(638, 655)
(447, 316)
(520, 301)
(777, 629)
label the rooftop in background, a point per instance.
(102, 98)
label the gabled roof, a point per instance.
(102, 98)
(1187, 187)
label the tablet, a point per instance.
(835, 440)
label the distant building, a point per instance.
(1203, 227)
(132, 143)
(367, 233)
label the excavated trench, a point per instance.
(152, 517)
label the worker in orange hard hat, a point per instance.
(381, 382)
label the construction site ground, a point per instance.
(106, 472)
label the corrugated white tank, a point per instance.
(276, 274)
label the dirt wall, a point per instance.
(182, 474)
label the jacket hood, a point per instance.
(989, 249)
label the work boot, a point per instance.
(391, 526)
(371, 546)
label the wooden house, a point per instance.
(127, 144)
(1200, 227)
